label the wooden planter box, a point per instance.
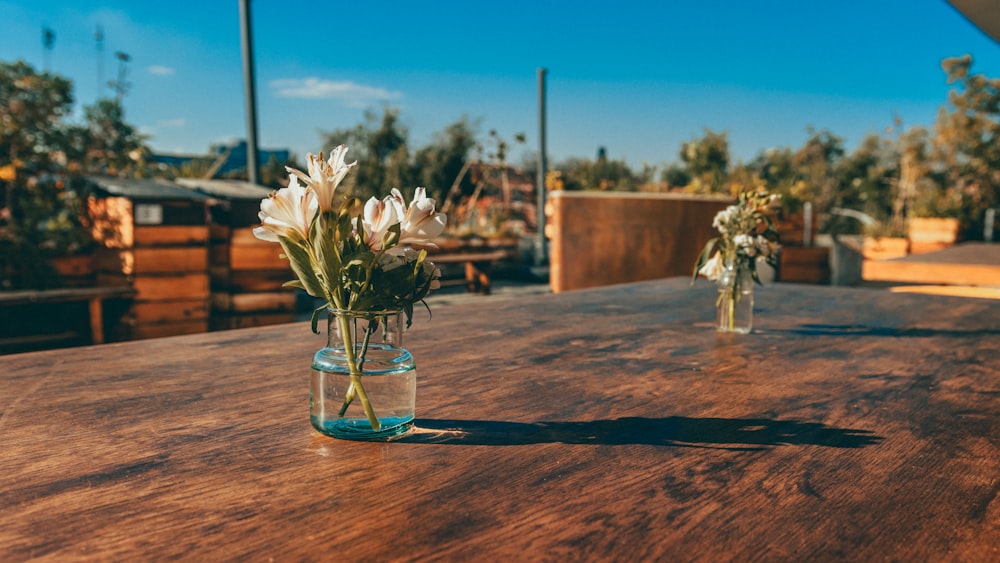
(153, 236)
(604, 238)
(885, 248)
(928, 234)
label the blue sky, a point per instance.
(637, 77)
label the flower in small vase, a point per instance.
(356, 262)
(746, 236)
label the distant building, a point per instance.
(224, 158)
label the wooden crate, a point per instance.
(804, 264)
(154, 236)
(247, 274)
(247, 278)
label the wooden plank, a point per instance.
(148, 312)
(170, 287)
(257, 257)
(254, 302)
(153, 260)
(933, 230)
(930, 273)
(64, 295)
(173, 235)
(926, 247)
(243, 236)
(225, 280)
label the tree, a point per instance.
(816, 166)
(866, 178)
(676, 176)
(39, 210)
(32, 107)
(44, 161)
(113, 146)
(967, 142)
(603, 174)
(442, 164)
(913, 175)
(707, 162)
(776, 169)
(380, 147)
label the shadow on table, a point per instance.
(731, 433)
(863, 330)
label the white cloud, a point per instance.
(160, 70)
(353, 94)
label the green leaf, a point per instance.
(315, 318)
(328, 256)
(298, 258)
(706, 253)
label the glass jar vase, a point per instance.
(364, 383)
(735, 300)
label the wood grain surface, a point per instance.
(609, 424)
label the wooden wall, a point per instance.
(604, 238)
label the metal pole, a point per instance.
(541, 254)
(253, 175)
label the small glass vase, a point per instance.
(735, 301)
(364, 382)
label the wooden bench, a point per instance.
(478, 267)
(93, 296)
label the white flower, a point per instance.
(421, 223)
(712, 268)
(746, 243)
(286, 213)
(724, 217)
(378, 218)
(324, 177)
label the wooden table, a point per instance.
(15, 304)
(609, 424)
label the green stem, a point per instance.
(732, 308)
(351, 389)
(355, 367)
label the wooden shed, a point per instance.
(246, 273)
(153, 235)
